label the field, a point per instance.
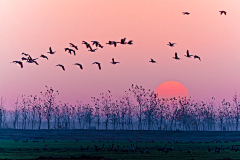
(66, 143)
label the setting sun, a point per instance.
(170, 89)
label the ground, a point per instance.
(66, 143)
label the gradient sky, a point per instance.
(33, 26)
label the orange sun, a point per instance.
(170, 89)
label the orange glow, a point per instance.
(170, 89)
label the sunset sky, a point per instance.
(32, 26)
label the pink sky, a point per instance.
(33, 26)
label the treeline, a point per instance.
(137, 109)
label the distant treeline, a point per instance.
(137, 109)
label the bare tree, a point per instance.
(1, 111)
(48, 103)
(88, 115)
(79, 114)
(106, 99)
(141, 95)
(235, 100)
(16, 114)
(97, 113)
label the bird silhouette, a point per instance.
(122, 41)
(92, 50)
(110, 43)
(152, 61)
(113, 62)
(30, 60)
(78, 65)
(99, 45)
(70, 51)
(130, 42)
(25, 54)
(74, 46)
(84, 42)
(114, 43)
(18, 62)
(185, 13)
(176, 56)
(24, 58)
(171, 44)
(50, 51)
(197, 57)
(87, 45)
(60, 66)
(223, 12)
(95, 43)
(99, 66)
(43, 56)
(188, 55)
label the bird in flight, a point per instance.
(185, 13)
(78, 64)
(18, 62)
(99, 66)
(43, 56)
(197, 57)
(92, 50)
(24, 58)
(223, 12)
(130, 42)
(30, 60)
(25, 54)
(188, 55)
(122, 41)
(70, 51)
(87, 45)
(99, 45)
(171, 44)
(152, 61)
(74, 46)
(60, 66)
(84, 42)
(50, 51)
(176, 56)
(112, 43)
(95, 43)
(113, 62)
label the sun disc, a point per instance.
(170, 89)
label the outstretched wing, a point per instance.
(20, 63)
(35, 62)
(80, 66)
(99, 66)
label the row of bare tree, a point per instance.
(137, 109)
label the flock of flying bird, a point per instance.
(29, 59)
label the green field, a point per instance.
(68, 146)
(22, 150)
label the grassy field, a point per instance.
(64, 144)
